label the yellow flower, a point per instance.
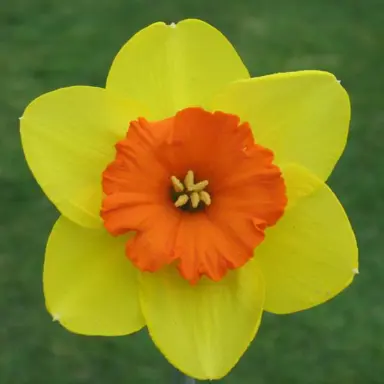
(193, 197)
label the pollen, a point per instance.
(178, 186)
(205, 197)
(190, 192)
(181, 200)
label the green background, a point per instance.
(55, 43)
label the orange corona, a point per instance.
(196, 189)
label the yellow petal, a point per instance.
(170, 67)
(202, 329)
(310, 255)
(299, 183)
(68, 138)
(90, 286)
(302, 116)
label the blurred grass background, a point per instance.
(46, 44)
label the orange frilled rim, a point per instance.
(246, 190)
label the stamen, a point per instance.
(200, 186)
(189, 180)
(205, 197)
(195, 199)
(189, 192)
(178, 186)
(181, 200)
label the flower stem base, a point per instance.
(180, 378)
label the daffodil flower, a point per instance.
(192, 196)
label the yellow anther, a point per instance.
(181, 200)
(205, 197)
(189, 192)
(189, 180)
(195, 199)
(178, 186)
(200, 186)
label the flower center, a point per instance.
(188, 195)
(196, 191)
